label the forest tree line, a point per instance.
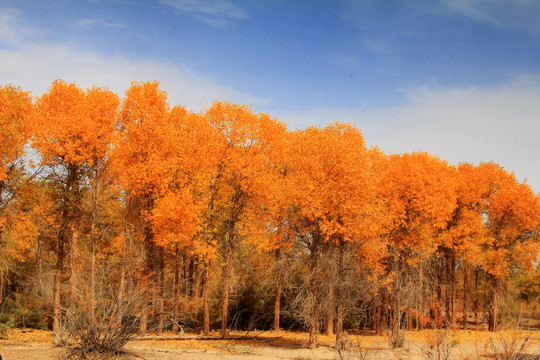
(129, 209)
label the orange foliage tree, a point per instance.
(179, 210)
(142, 163)
(210, 187)
(420, 198)
(511, 214)
(239, 175)
(329, 182)
(15, 109)
(71, 129)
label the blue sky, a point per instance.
(457, 78)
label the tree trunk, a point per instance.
(451, 296)
(143, 325)
(93, 258)
(339, 291)
(439, 311)
(93, 239)
(314, 318)
(197, 280)
(226, 279)
(420, 312)
(312, 290)
(465, 295)
(149, 277)
(58, 274)
(330, 310)
(377, 327)
(74, 263)
(340, 315)
(125, 252)
(205, 299)
(277, 302)
(56, 310)
(161, 300)
(73, 224)
(476, 298)
(190, 285)
(494, 305)
(382, 310)
(330, 322)
(176, 290)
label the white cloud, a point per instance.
(34, 65)
(499, 124)
(215, 13)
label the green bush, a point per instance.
(24, 312)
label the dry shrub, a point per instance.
(396, 337)
(105, 314)
(348, 349)
(106, 331)
(509, 345)
(438, 345)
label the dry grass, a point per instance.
(469, 344)
(28, 337)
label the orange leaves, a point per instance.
(201, 172)
(329, 179)
(15, 108)
(146, 139)
(496, 220)
(144, 102)
(511, 213)
(72, 126)
(176, 217)
(243, 173)
(421, 198)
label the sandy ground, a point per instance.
(30, 345)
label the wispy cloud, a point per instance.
(33, 64)
(11, 31)
(215, 13)
(35, 67)
(91, 23)
(466, 124)
(6, 19)
(517, 14)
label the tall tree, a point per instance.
(15, 110)
(512, 217)
(178, 213)
(239, 176)
(141, 160)
(331, 190)
(71, 130)
(420, 198)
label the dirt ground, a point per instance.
(34, 345)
